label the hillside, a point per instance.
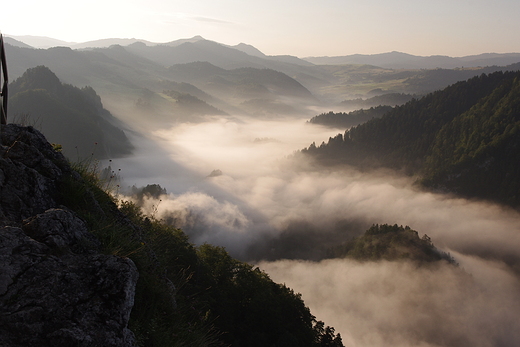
(190, 105)
(79, 268)
(394, 60)
(462, 139)
(69, 116)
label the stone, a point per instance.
(56, 288)
(61, 229)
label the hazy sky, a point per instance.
(302, 28)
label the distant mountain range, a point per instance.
(398, 60)
(136, 78)
(48, 42)
(390, 60)
(153, 79)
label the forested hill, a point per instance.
(464, 139)
(392, 243)
(69, 116)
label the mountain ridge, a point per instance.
(135, 73)
(400, 60)
(393, 59)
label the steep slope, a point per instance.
(463, 138)
(479, 150)
(56, 287)
(41, 41)
(69, 116)
(13, 42)
(190, 106)
(215, 78)
(122, 76)
(199, 49)
(77, 270)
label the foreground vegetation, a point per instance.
(188, 295)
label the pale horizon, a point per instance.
(303, 28)
(187, 38)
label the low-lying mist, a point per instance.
(400, 304)
(230, 183)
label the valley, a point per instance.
(227, 135)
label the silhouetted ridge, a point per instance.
(39, 77)
(69, 116)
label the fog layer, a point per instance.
(399, 304)
(260, 196)
(230, 184)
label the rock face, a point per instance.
(56, 289)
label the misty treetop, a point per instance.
(390, 242)
(385, 99)
(346, 120)
(69, 116)
(464, 139)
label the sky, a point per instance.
(301, 28)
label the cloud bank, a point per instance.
(264, 209)
(400, 304)
(260, 200)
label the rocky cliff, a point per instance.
(64, 283)
(56, 288)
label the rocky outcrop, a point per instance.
(30, 171)
(56, 289)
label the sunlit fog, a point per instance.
(234, 182)
(251, 153)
